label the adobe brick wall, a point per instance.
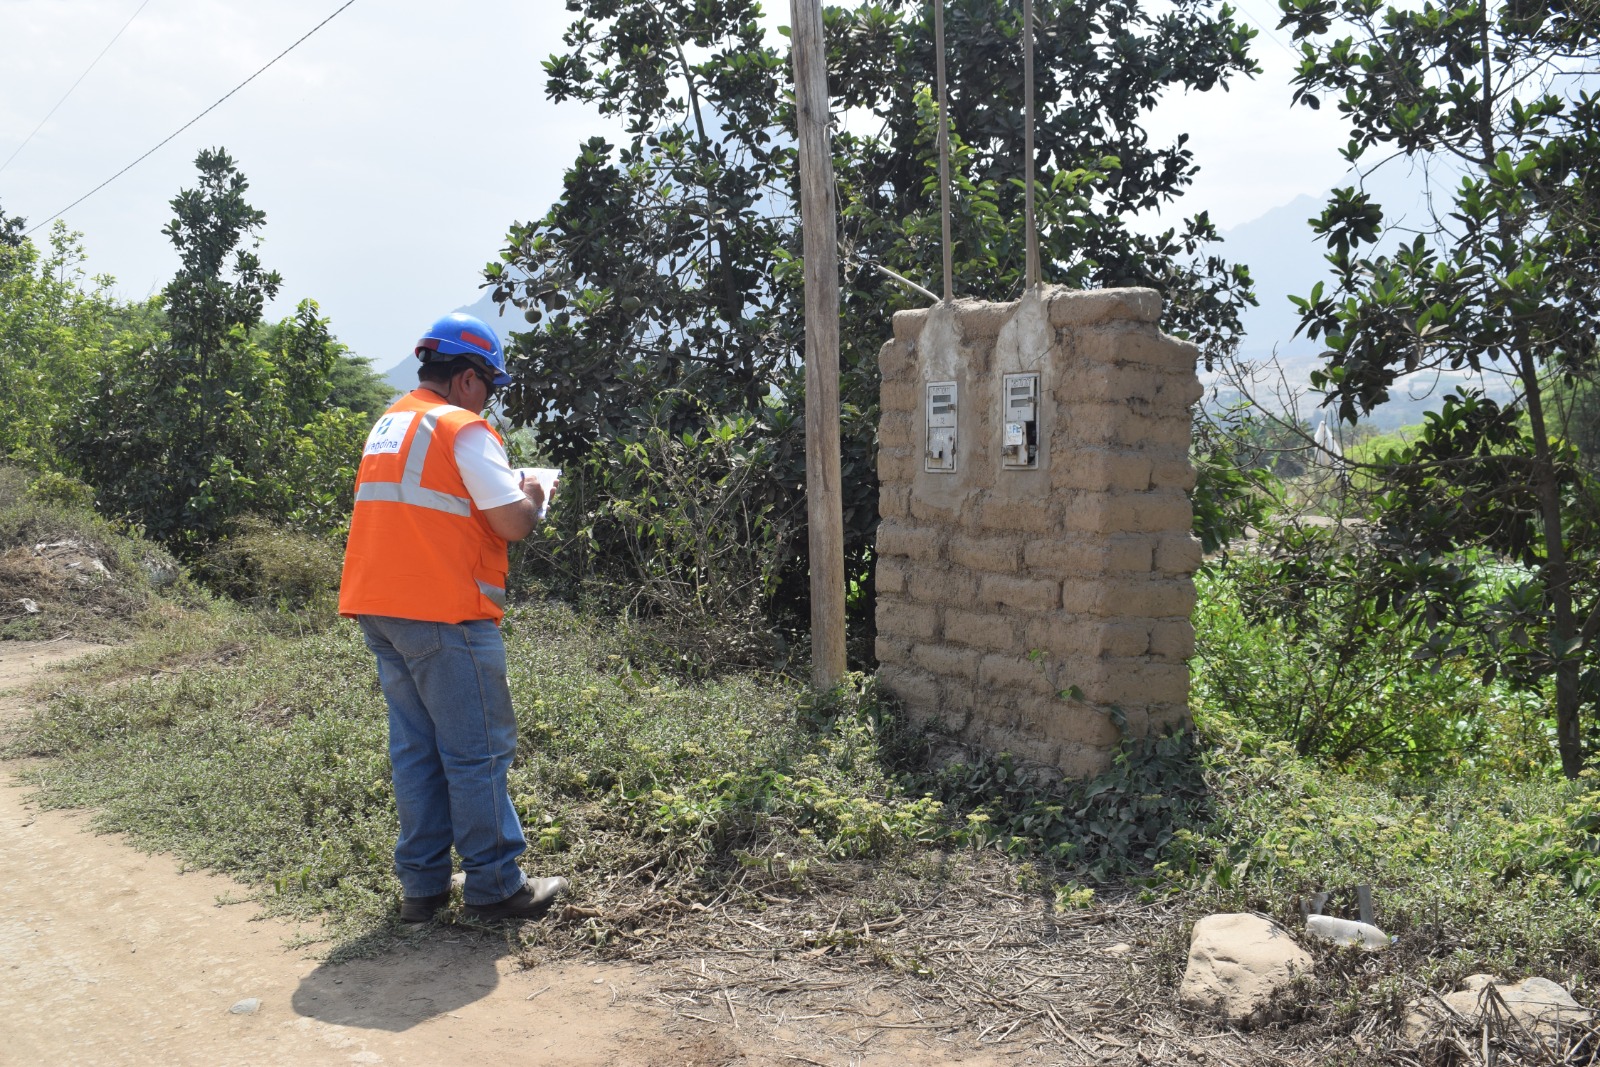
(1000, 590)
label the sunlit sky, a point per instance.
(393, 148)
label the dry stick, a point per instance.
(901, 278)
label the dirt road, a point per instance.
(111, 956)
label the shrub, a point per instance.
(1300, 643)
(676, 532)
(266, 564)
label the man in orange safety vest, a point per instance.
(436, 504)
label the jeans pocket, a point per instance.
(413, 639)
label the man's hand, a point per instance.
(516, 520)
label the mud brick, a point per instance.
(1156, 349)
(894, 501)
(984, 630)
(1178, 553)
(1020, 516)
(1070, 307)
(946, 661)
(890, 574)
(1063, 639)
(1101, 469)
(1123, 638)
(941, 584)
(1149, 598)
(917, 621)
(1172, 640)
(908, 324)
(917, 688)
(1028, 594)
(1001, 671)
(900, 397)
(941, 510)
(1139, 430)
(896, 360)
(1172, 473)
(895, 430)
(998, 554)
(905, 539)
(1077, 724)
(898, 464)
(980, 320)
(890, 649)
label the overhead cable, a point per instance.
(192, 121)
(75, 84)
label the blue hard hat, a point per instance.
(462, 335)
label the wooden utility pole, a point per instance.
(824, 510)
(1030, 272)
(943, 139)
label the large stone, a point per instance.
(1236, 965)
(1539, 1006)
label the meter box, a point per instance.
(941, 421)
(1019, 419)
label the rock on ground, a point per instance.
(1237, 963)
(1541, 1007)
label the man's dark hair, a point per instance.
(443, 370)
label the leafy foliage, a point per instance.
(203, 424)
(83, 575)
(1500, 279)
(1305, 641)
(670, 268)
(1474, 872)
(56, 326)
(1117, 824)
(701, 541)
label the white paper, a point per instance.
(547, 477)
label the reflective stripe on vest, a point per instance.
(409, 489)
(494, 593)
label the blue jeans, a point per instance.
(452, 736)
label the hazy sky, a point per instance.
(392, 149)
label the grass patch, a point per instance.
(264, 756)
(1471, 873)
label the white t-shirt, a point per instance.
(487, 472)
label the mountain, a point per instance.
(1287, 259)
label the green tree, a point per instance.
(663, 287)
(219, 417)
(11, 229)
(355, 386)
(1489, 100)
(56, 326)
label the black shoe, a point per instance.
(529, 902)
(421, 909)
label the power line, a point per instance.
(191, 122)
(75, 84)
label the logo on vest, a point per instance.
(389, 434)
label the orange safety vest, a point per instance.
(419, 548)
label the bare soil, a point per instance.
(109, 955)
